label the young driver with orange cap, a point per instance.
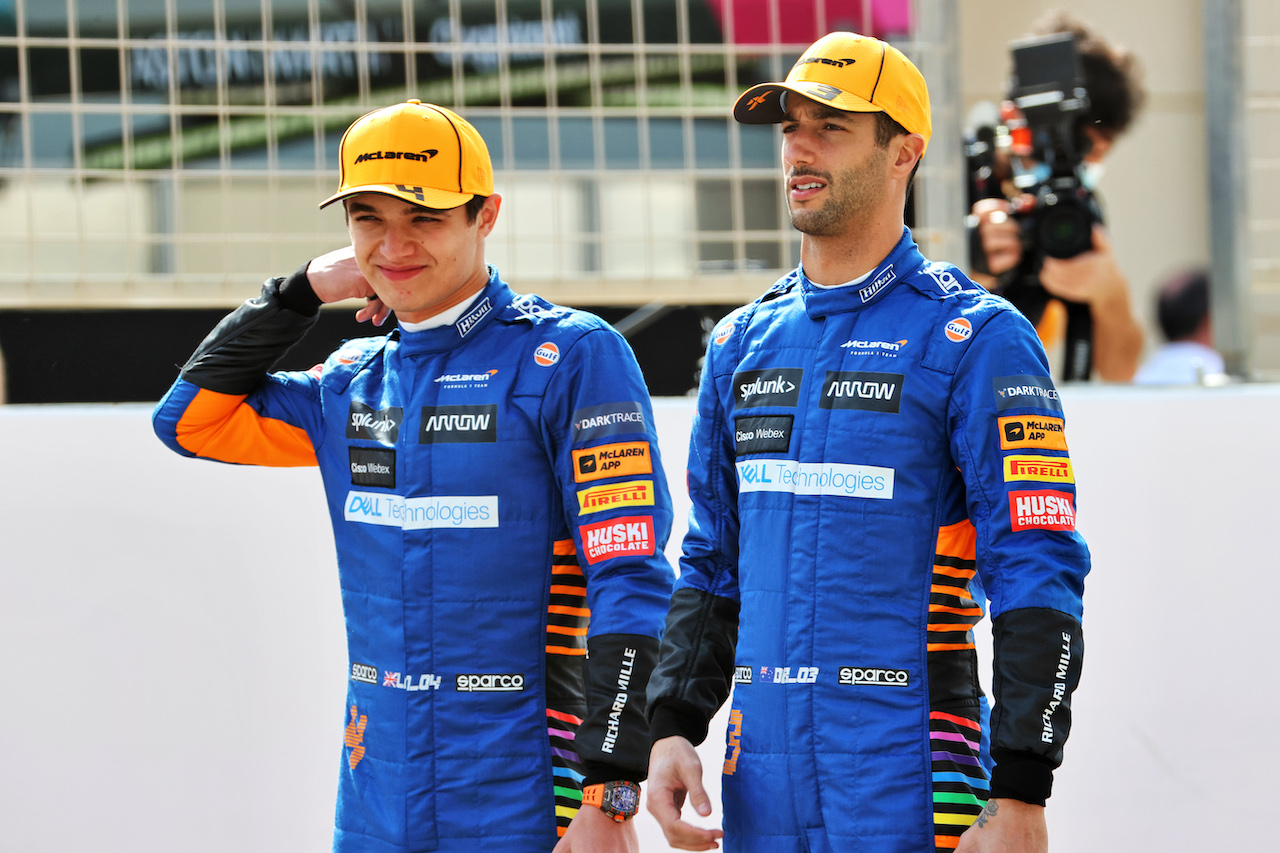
(499, 509)
(877, 442)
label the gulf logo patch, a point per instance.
(958, 330)
(546, 354)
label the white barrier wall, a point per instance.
(177, 666)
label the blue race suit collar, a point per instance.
(898, 265)
(483, 307)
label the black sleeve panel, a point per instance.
(613, 740)
(695, 666)
(243, 347)
(1038, 655)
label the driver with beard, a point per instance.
(878, 449)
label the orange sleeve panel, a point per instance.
(223, 427)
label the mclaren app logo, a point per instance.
(1030, 431)
(624, 459)
(778, 387)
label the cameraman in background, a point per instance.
(1097, 320)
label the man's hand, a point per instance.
(593, 831)
(1094, 279)
(1000, 234)
(1007, 826)
(674, 771)
(335, 276)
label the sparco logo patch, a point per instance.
(372, 467)
(364, 672)
(1044, 510)
(611, 460)
(491, 682)
(742, 674)
(764, 434)
(1032, 392)
(628, 536)
(459, 424)
(608, 419)
(864, 390)
(1030, 431)
(1045, 469)
(778, 387)
(369, 424)
(615, 496)
(859, 676)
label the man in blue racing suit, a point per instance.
(498, 506)
(877, 443)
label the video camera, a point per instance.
(1036, 152)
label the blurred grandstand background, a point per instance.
(159, 158)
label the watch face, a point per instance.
(623, 799)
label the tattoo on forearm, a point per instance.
(988, 812)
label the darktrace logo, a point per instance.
(864, 390)
(1035, 392)
(370, 424)
(415, 157)
(608, 419)
(459, 424)
(775, 387)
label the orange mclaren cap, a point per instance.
(850, 72)
(422, 153)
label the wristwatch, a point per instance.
(619, 800)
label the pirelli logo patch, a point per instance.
(1030, 431)
(624, 459)
(1044, 469)
(615, 495)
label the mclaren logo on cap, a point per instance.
(421, 156)
(838, 63)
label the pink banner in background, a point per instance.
(799, 20)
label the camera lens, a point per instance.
(1064, 230)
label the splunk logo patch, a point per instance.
(777, 387)
(370, 424)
